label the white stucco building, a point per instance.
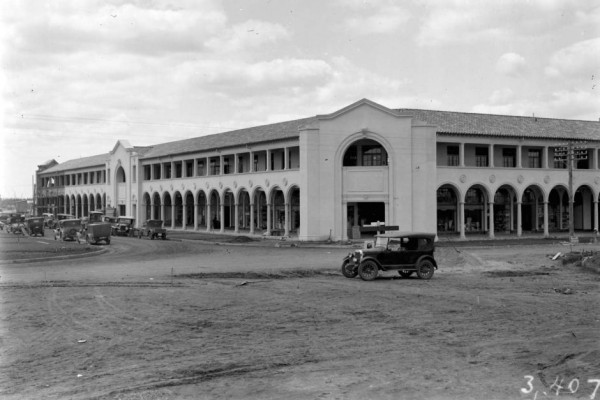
(333, 175)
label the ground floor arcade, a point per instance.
(512, 212)
(273, 212)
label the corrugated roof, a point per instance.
(83, 162)
(264, 133)
(506, 125)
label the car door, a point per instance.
(392, 253)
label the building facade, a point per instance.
(337, 175)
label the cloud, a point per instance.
(501, 96)
(511, 64)
(249, 34)
(383, 20)
(580, 60)
(470, 21)
(150, 28)
(569, 104)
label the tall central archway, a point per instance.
(365, 187)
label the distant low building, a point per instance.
(336, 176)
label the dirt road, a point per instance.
(493, 323)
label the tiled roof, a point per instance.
(83, 162)
(506, 125)
(264, 133)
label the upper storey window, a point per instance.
(365, 152)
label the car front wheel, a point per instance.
(425, 269)
(349, 271)
(368, 270)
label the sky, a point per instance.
(77, 76)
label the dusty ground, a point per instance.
(493, 323)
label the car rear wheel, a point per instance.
(425, 269)
(368, 270)
(349, 271)
(404, 273)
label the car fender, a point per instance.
(427, 257)
(370, 258)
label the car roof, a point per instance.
(125, 216)
(71, 220)
(406, 235)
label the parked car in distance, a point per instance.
(153, 228)
(111, 220)
(47, 217)
(53, 223)
(68, 229)
(123, 226)
(35, 226)
(403, 252)
(98, 231)
(15, 223)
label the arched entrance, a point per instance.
(583, 209)
(189, 210)
(448, 207)
(156, 207)
(202, 202)
(505, 209)
(178, 204)
(558, 209)
(476, 209)
(294, 203)
(215, 210)
(532, 209)
(365, 187)
(147, 204)
(260, 209)
(121, 194)
(168, 210)
(244, 210)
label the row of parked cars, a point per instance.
(94, 228)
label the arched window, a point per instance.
(365, 152)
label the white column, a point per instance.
(519, 229)
(287, 219)
(195, 216)
(269, 219)
(546, 230)
(184, 213)
(491, 233)
(462, 154)
(252, 216)
(222, 216)
(596, 217)
(236, 224)
(462, 220)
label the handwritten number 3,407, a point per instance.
(573, 386)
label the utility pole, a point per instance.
(569, 153)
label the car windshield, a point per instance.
(125, 221)
(154, 224)
(381, 241)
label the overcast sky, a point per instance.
(79, 75)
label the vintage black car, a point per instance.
(35, 226)
(403, 252)
(124, 226)
(153, 228)
(68, 229)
